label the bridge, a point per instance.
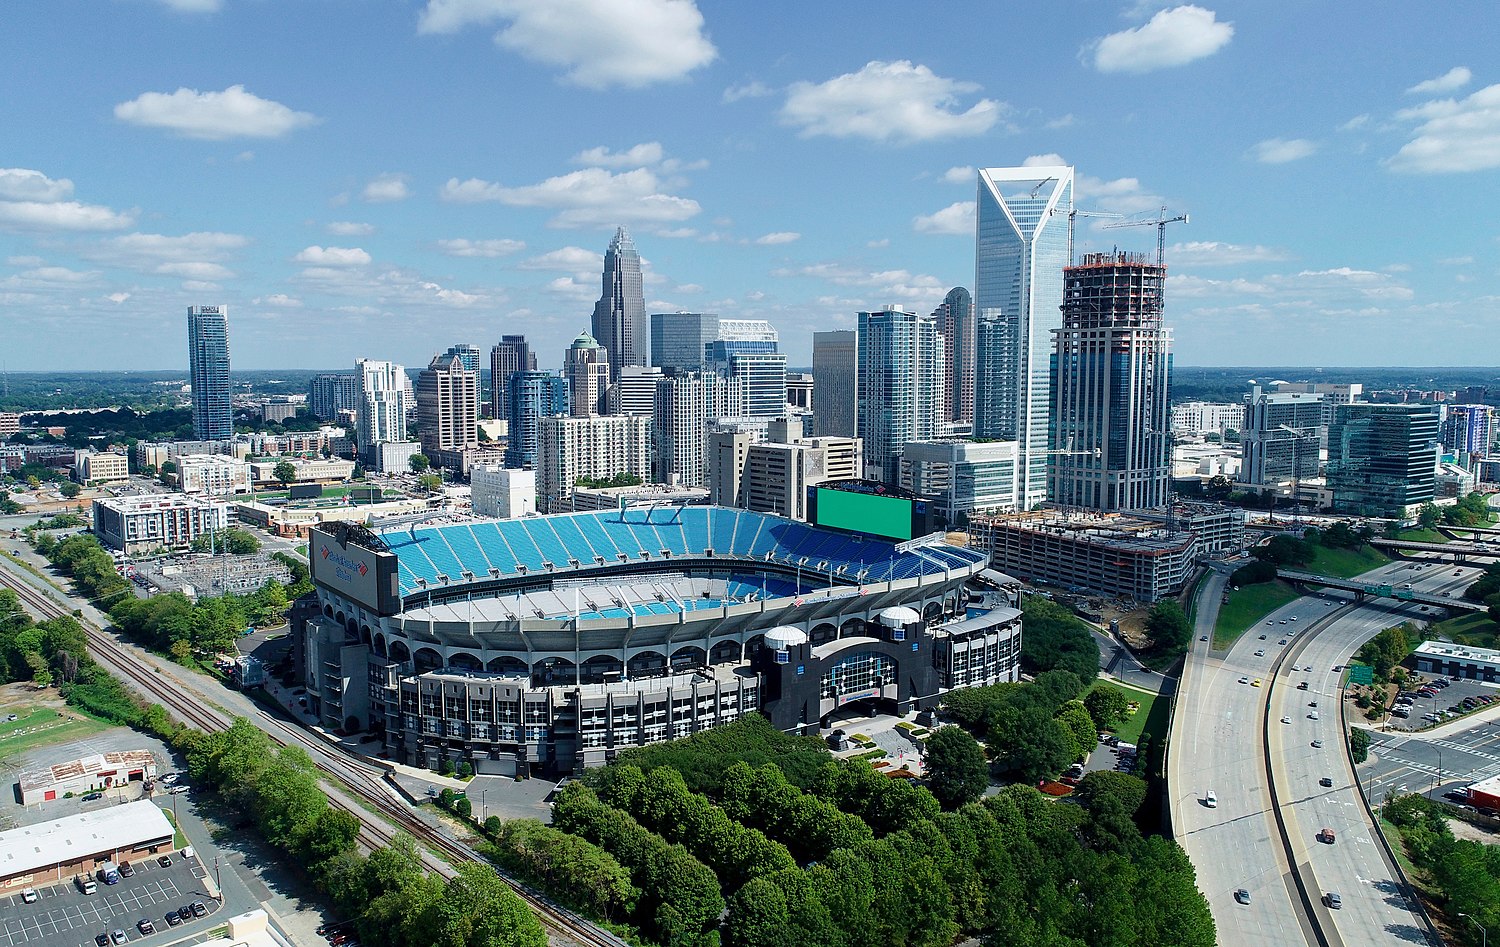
(1447, 552)
(1364, 590)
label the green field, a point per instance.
(1473, 628)
(40, 727)
(1247, 606)
(1151, 718)
(1345, 563)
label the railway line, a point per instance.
(350, 784)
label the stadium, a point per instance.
(545, 644)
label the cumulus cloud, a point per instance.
(1452, 136)
(781, 236)
(24, 184)
(747, 90)
(1450, 81)
(60, 215)
(1283, 150)
(332, 256)
(955, 219)
(598, 43)
(480, 248)
(1172, 37)
(591, 197)
(889, 101)
(385, 188)
(215, 116)
(963, 174)
(349, 228)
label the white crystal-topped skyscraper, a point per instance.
(620, 314)
(1021, 247)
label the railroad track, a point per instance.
(366, 783)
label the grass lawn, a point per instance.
(1247, 606)
(1345, 563)
(39, 727)
(1151, 718)
(1474, 629)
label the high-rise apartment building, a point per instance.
(1469, 429)
(1112, 363)
(1021, 250)
(508, 356)
(634, 392)
(329, 395)
(686, 404)
(599, 448)
(381, 414)
(1382, 458)
(1281, 437)
(208, 362)
(955, 319)
(620, 314)
(678, 339)
(901, 377)
(532, 395)
(833, 382)
(447, 408)
(586, 367)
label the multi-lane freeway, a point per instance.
(1255, 746)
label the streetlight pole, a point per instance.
(1484, 935)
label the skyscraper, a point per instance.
(620, 314)
(1110, 370)
(447, 408)
(901, 377)
(678, 339)
(508, 356)
(380, 416)
(208, 361)
(586, 366)
(1021, 248)
(955, 319)
(532, 395)
(833, 361)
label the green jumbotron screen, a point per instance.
(865, 513)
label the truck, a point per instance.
(109, 873)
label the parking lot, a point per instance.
(66, 917)
(1447, 703)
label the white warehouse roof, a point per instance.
(76, 837)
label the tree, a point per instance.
(70, 489)
(418, 463)
(285, 472)
(957, 771)
(1168, 626)
(1107, 705)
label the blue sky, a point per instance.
(383, 178)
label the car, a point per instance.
(92, 796)
(118, 936)
(1317, 744)
(127, 870)
(1326, 782)
(200, 909)
(1244, 680)
(1260, 653)
(145, 926)
(29, 896)
(165, 861)
(174, 918)
(1255, 683)
(1333, 900)
(1242, 896)
(101, 940)
(1286, 719)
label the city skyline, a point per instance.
(800, 182)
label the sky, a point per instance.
(385, 178)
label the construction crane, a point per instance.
(1160, 223)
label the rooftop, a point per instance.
(75, 837)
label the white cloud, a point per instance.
(1453, 135)
(386, 188)
(1213, 253)
(641, 156)
(591, 197)
(483, 248)
(747, 90)
(781, 236)
(599, 43)
(23, 184)
(1283, 150)
(1450, 81)
(347, 228)
(60, 215)
(963, 174)
(1172, 37)
(886, 101)
(278, 300)
(955, 219)
(333, 256)
(233, 113)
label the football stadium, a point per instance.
(545, 644)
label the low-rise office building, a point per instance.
(77, 844)
(86, 774)
(156, 521)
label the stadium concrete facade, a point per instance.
(547, 644)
